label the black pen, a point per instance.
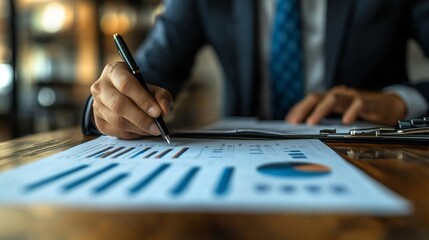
(132, 65)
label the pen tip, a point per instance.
(167, 138)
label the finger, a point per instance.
(122, 107)
(322, 109)
(99, 90)
(353, 112)
(108, 129)
(301, 110)
(163, 97)
(128, 85)
(344, 98)
(115, 121)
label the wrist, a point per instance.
(399, 107)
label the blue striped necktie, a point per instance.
(285, 65)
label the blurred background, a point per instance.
(52, 51)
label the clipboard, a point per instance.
(414, 131)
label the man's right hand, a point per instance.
(123, 108)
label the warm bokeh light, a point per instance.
(118, 19)
(86, 57)
(52, 17)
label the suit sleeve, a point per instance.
(168, 54)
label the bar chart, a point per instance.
(214, 174)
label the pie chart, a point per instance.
(294, 170)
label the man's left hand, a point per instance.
(352, 104)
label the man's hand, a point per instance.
(123, 108)
(376, 107)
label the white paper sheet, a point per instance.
(199, 175)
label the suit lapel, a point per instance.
(245, 45)
(338, 17)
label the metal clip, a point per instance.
(328, 131)
(417, 130)
(372, 131)
(413, 123)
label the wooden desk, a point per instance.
(404, 169)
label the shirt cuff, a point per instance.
(88, 125)
(416, 104)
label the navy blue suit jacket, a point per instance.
(365, 47)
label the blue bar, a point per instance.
(99, 152)
(164, 153)
(339, 189)
(77, 183)
(148, 179)
(141, 152)
(262, 188)
(224, 182)
(256, 153)
(110, 183)
(184, 183)
(123, 152)
(51, 179)
(179, 153)
(296, 154)
(151, 154)
(111, 152)
(287, 188)
(313, 189)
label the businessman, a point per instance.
(284, 59)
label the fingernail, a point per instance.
(154, 129)
(153, 112)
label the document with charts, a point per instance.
(217, 175)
